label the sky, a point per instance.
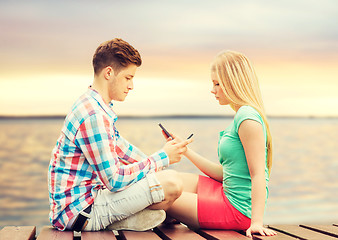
(46, 49)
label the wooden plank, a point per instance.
(50, 233)
(18, 233)
(326, 229)
(130, 235)
(279, 236)
(221, 234)
(300, 232)
(100, 235)
(177, 232)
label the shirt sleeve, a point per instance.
(97, 141)
(245, 113)
(128, 153)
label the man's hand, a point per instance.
(176, 138)
(175, 149)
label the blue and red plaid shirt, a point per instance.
(91, 155)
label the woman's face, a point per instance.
(217, 90)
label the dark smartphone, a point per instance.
(165, 131)
(190, 136)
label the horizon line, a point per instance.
(169, 116)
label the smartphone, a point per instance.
(190, 136)
(165, 131)
(168, 134)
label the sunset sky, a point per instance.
(46, 49)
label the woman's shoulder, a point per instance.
(247, 112)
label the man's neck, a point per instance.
(101, 88)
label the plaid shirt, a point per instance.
(91, 155)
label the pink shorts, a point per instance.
(214, 209)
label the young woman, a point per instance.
(234, 194)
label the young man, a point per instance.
(96, 178)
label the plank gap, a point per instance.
(161, 234)
(286, 233)
(320, 229)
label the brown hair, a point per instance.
(116, 53)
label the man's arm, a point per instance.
(124, 147)
(98, 143)
(129, 153)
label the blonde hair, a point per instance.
(239, 82)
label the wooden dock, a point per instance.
(167, 232)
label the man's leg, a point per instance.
(110, 207)
(172, 185)
(165, 187)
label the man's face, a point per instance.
(120, 84)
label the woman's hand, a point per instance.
(258, 228)
(212, 169)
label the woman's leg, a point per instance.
(184, 206)
(190, 182)
(184, 209)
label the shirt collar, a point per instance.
(106, 107)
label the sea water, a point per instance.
(303, 183)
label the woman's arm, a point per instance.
(252, 138)
(211, 169)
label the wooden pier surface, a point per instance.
(167, 232)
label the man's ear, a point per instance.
(108, 72)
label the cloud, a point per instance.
(175, 25)
(289, 41)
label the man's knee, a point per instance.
(171, 183)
